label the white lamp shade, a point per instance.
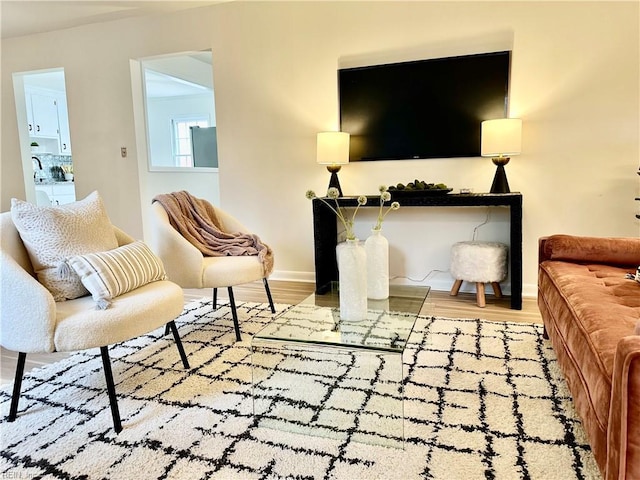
(501, 137)
(333, 148)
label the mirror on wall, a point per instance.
(180, 114)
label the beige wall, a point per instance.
(575, 78)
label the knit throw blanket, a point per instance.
(196, 220)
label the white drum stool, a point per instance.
(480, 263)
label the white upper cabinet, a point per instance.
(44, 115)
(48, 117)
(63, 125)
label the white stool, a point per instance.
(480, 263)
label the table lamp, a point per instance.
(501, 138)
(333, 151)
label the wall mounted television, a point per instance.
(422, 109)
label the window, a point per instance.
(178, 98)
(182, 139)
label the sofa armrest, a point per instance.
(542, 243)
(623, 438)
(27, 310)
(621, 251)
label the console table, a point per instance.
(325, 231)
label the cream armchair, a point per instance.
(32, 322)
(187, 267)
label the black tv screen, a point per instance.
(422, 109)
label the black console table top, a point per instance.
(325, 229)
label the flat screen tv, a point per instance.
(422, 109)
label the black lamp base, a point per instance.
(500, 183)
(333, 181)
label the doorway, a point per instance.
(45, 139)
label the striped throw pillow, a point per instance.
(109, 274)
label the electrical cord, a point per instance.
(475, 232)
(418, 280)
(486, 220)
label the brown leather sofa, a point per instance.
(590, 312)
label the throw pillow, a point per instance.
(51, 234)
(109, 274)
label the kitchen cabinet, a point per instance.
(64, 193)
(43, 121)
(63, 124)
(59, 193)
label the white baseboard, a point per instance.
(291, 276)
(440, 285)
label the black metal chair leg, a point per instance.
(111, 389)
(234, 313)
(17, 384)
(266, 287)
(172, 325)
(215, 298)
(166, 329)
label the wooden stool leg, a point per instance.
(480, 294)
(456, 288)
(497, 291)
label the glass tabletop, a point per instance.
(316, 320)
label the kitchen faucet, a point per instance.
(35, 174)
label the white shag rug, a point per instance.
(482, 400)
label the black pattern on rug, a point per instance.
(482, 400)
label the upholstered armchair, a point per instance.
(32, 321)
(189, 268)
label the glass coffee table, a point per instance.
(315, 374)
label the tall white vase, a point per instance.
(352, 275)
(377, 248)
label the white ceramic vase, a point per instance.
(352, 275)
(377, 249)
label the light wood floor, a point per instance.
(438, 304)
